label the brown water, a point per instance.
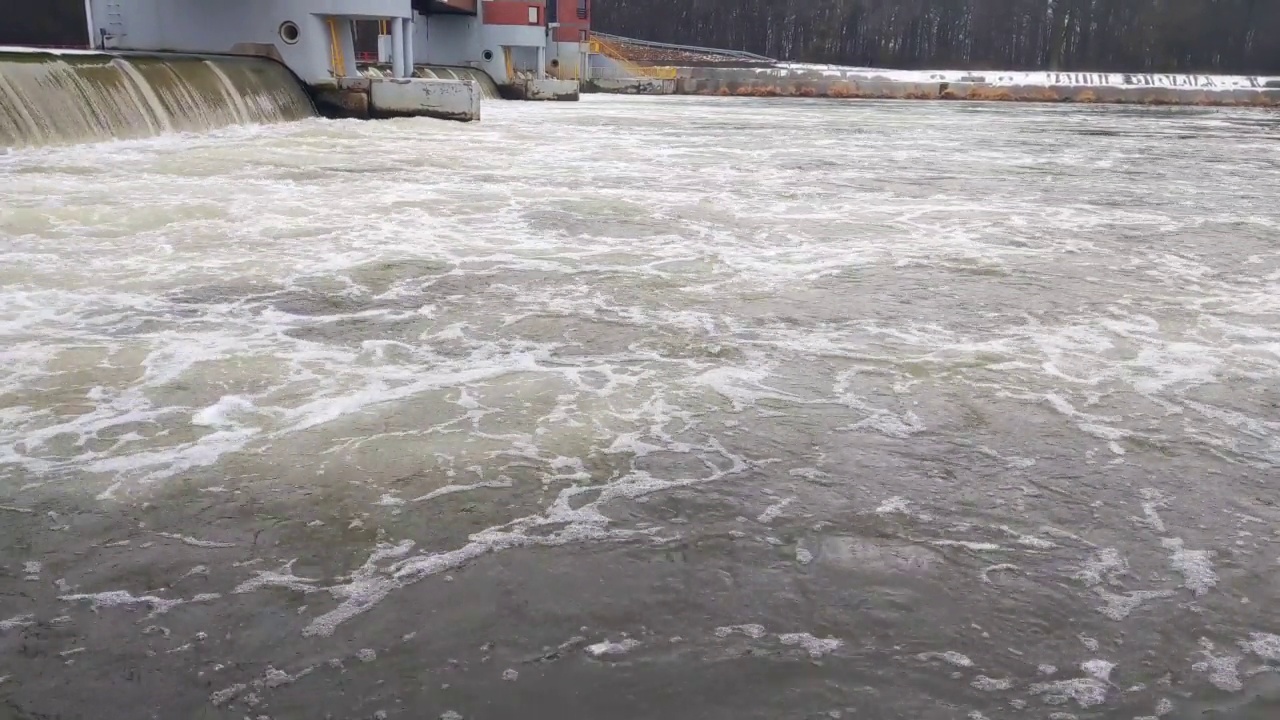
(681, 408)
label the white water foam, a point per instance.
(586, 523)
(986, 684)
(1106, 565)
(901, 506)
(1264, 645)
(985, 574)
(14, 623)
(816, 647)
(950, 656)
(1119, 606)
(451, 489)
(1152, 500)
(1223, 670)
(196, 542)
(284, 578)
(1100, 669)
(1195, 566)
(751, 630)
(1086, 692)
(612, 649)
(967, 545)
(774, 511)
(125, 599)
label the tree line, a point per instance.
(1226, 36)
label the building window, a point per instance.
(553, 11)
(582, 9)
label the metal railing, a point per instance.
(618, 72)
(622, 66)
(735, 54)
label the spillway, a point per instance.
(51, 98)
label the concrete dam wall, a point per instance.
(62, 97)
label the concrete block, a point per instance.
(420, 97)
(335, 102)
(631, 86)
(541, 89)
(359, 84)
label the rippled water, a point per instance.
(637, 408)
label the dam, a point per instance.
(147, 66)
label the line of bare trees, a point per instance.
(1235, 36)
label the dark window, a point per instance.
(553, 11)
(582, 9)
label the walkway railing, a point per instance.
(735, 54)
(604, 45)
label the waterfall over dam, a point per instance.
(62, 97)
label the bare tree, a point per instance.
(1235, 36)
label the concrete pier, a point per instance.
(631, 86)
(367, 98)
(540, 89)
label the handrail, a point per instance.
(739, 54)
(614, 53)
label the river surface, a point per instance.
(647, 408)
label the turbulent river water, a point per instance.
(647, 408)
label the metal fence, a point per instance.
(735, 54)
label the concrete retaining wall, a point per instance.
(416, 97)
(630, 86)
(541, 89)
(853, 83)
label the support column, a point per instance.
(408, 47)
(397, 47)
(94, 40)
(542, 62)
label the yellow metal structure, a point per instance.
(600, 46)
(336, 57)
(510, 63)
